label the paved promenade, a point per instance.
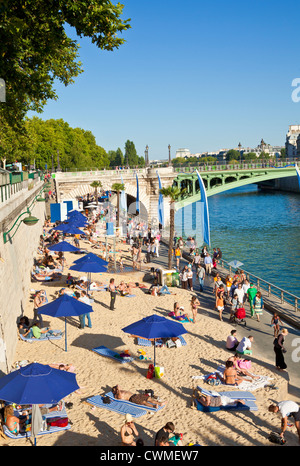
(261, 331)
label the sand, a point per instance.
(204, 352)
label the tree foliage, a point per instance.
(35, 49)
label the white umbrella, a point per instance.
(235, 263)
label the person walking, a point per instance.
(258, 305)
(251, 295)
(279, 350)
(113, 294)
(201, 277)
(208, 263)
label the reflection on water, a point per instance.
(259, 228)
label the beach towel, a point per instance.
(182, 321)
(108, 353)
(31, 340)
(247, 384)
(116, 406)
(148, 408)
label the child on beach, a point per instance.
(195, 303)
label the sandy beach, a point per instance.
(204, 352)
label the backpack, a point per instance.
(58, 422)
(274, 437)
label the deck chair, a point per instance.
(52, 429)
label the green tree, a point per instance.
(118, 187)
(232, 154)
(173, 193)
(250, 156)
(36, 51)
(96, 185)
(131, 157)
(283, 153)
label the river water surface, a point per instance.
(261, 229)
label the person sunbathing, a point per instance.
(46, 276)
(213, 401)
(138, 398)
(230, 376)
(14, 424)
(241, 371)
(177, 314)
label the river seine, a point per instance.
(261, 229)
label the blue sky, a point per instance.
(193, 74)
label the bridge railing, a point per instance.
(283, 295)
(208, 167)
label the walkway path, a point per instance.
(261, 331)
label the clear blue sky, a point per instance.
(193, 74)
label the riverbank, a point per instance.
(204, 352)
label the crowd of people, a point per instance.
(233, 291)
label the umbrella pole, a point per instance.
(154, 351)
(66, 334)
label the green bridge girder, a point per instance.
(217, 182)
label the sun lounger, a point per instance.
(52, 429)
(117, 406)
(108, 353)
(31, 340)
(145, 342)
(248, 406)
(234, 394)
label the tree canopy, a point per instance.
(35, 49)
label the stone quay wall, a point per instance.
(16, 261)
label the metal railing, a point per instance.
(263, 285)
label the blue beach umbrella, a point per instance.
(63, 246)
(69, 228)
(154, 327)
(65, 306)
(90, 264)
(37, 384)
(90, 257)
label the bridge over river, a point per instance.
(217, 179)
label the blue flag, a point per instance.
(137, 194)
(204, 211)
(160, 203)
(298, 174)
(123, 198)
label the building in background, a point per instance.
(292, 141)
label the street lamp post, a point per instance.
(169, 147)
(147, 156)
(58, 164)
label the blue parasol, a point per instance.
(65, 306)
(154, 327)
(37, 384)
(63, 246)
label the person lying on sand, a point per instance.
(139, 399)
(213, 401)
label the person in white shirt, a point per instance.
(244, 346)
(285, 409)
(240, 294)
(156, 244)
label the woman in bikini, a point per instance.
(13, 423)
(128, 431)
(230, 376)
